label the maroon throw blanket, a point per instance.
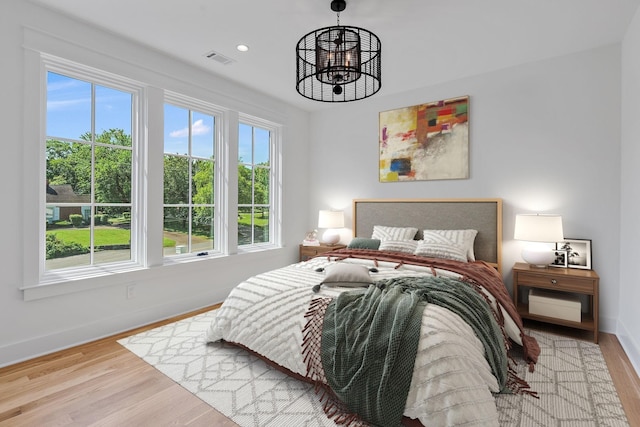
(478, 272)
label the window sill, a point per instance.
(257, 248)
(75, 280)
(191, 257)
(69, 281)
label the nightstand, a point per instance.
(307, 252)
(563, 280)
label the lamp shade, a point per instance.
(331, 219)
(538, 228)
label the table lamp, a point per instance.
(331, 220)
(538, 231)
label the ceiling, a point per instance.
(424, 42)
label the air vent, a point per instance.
(218, 57)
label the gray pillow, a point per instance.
(345, 275)
(364, 243)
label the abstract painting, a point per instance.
(425, 142)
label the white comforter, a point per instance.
(452, 383)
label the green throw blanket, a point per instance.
(370, 339)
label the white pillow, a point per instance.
(464, 238)
(406, 246)
(383, 232)
(441, 250)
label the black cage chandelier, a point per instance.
(338, 64)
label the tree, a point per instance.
(202, 189)
(176, 179)
(244, 185)
(253, 184)
(262, 184)
(70, 163)
(176, 192)
(113, 167)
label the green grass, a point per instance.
(108, 236)
(245, 219)
(103, 237)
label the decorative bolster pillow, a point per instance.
(345, 275)
(464, 238)
(383, 232)
(405, 246)
(441, 250)
(364, 243)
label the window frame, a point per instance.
(138, 245)
(219, 190)
(147, 161)
(275, 183)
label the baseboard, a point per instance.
(21, 351)
(608, 325)
(631, 348)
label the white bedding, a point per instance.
(452, 383)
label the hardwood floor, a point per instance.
(103, 384)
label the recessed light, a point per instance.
(242, 47)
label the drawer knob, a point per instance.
(554, 281)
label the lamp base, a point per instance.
(538, 255)
(331, 237)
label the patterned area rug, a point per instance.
(571, 378)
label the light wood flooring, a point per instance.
(103, 384)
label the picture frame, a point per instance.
(560, 259)
(578, 252)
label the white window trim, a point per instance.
(35, 277)
(275, 182)
(148, 253)
(220, 151)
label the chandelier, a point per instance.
(339, 63)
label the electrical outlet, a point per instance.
(131, 291)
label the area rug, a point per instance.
(571, 378)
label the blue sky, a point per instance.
(69, 108)
(69, 116)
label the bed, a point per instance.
(425, 293)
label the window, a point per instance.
(189, 177)
(131, 175)
(254, 185)
(89, 148)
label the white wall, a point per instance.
(30, 328)
(544, 137)
(629, 320)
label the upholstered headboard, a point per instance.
(484, 215)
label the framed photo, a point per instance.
(578, 252)
(560, 259)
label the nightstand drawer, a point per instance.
(307, 252)
(312, 250)
(557, 282)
